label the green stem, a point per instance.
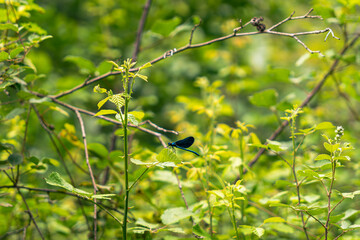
(294, 173)
(234, 219)
(125, 127)
(241, 174)
(138, 179)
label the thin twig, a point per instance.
(90, 170)
(158, 128)
(26, 205)
(307, 212)
(140, 30)
(192, 32)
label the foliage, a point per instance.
(82, 141)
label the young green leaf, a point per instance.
(4, 56)
(102, 102)
(323, 156)
(56, 180)
(98, 89)
(146, 65)
(105, 112)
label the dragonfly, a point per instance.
(184, 144)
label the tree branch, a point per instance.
(308, 98)
(191, 46)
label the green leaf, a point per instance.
(118, 100)
(103, 67)
(266, 98)
(116, 66)
(56, 180)
(343, 158)
(200, 232)
(98, 89)
(274, 220)
(15, 52)
(134, 117)
(142, 222)
(351, 194)
(4, 56)
(173, 215)
(275, 146)
(102, 102)
(34, 160)
(324, 125)
(146, 65)
(103, 196)
(141, 163)
(143, 77)
(331, 147)
(165, 27)
(323, 156)
(167, 155)
(258, 232)
(33, 27)
(98, 149)
(105, 112)
(10, 26)
(15, 159)
(85, 65)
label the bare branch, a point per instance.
(89, 167)
(191, 46)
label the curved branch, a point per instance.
(220, 39)
(308, 98)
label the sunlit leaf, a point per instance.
(105, 112)
(167, 155)
(55, 179)
(15, 52)
(173, 215)
(98, 89)
(102, 102)
(323, 156)
(324, 125)
(4, 56)
(259, 232)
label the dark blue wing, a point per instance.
(184, 143)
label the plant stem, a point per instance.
(241, 174)
(125, 127)
(294, 173)
(333, 168)
(233, 217)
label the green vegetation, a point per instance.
(92, 91)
